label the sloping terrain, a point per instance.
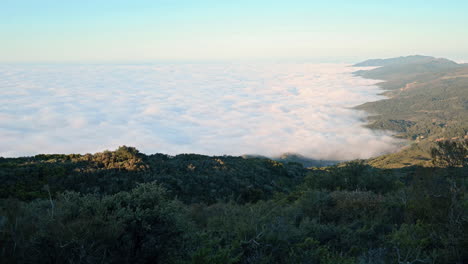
(428, 99)
(126, 207)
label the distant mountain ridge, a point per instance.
(412, 59)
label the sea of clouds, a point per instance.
(216, 109)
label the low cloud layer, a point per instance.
(215, 109)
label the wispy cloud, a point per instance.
(235, 109)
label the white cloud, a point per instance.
(262, 108)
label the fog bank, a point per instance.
(215, 109)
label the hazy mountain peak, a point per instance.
(412, 59)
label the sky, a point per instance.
(33, 31)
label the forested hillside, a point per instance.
(189, 177)
(428, 102)
(126, 207)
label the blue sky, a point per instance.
(162, 30)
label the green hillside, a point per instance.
(126, 207)
(428, 101)
(192, 178)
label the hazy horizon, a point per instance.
(121, 31)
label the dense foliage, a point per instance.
(190, 177)
(106, 208)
